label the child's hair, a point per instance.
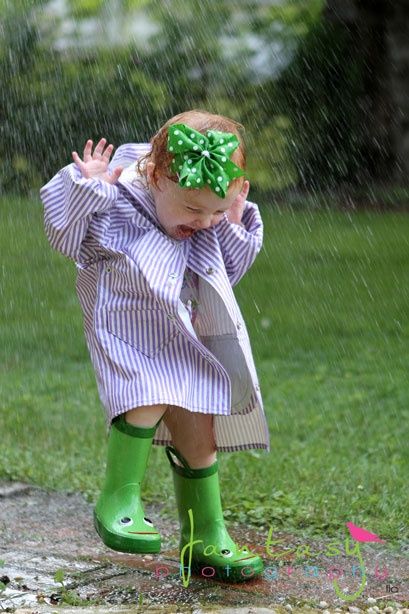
(200, 121)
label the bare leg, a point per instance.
(192, 435)
(146, 416)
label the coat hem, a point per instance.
(110, 417)
(233, 448)
(251, 406)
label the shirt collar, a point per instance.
(134, 185)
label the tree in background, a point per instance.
(380, 31)
(346, 93)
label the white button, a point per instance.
(173, 276)
(238, 325)
(210, 270)
(257, 387)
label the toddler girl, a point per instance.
(159, 237)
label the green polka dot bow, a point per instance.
(203, 159)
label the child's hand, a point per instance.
(235, 212)
(96, 164)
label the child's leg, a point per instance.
(192, 435)
(146, 416)
(197, 492)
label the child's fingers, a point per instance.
(107, 153)
(116, 174)
(77, 159)
(241, 197)
(99, 148)
(245, 189)
(87, 150)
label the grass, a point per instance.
(326, 304)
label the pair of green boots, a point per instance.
(206, 547)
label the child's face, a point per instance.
(182, 212)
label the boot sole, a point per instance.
(121, 544)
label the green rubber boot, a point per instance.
(119, 517)
(206, 548)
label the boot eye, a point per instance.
(148, 522)
(226, 553)
(125, 521)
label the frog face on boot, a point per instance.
(127, 522)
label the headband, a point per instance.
(203, 159)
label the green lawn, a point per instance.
(327, 306)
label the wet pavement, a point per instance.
(44, 533)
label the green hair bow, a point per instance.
(203, 159)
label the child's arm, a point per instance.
(73, 197)
(240, 235)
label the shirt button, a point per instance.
(108, 269)
(210, 270)
(238, 325)
(173, 276)
(257, 387)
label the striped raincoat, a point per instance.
(139, 332)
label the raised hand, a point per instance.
(95, 164)
(235, 212)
